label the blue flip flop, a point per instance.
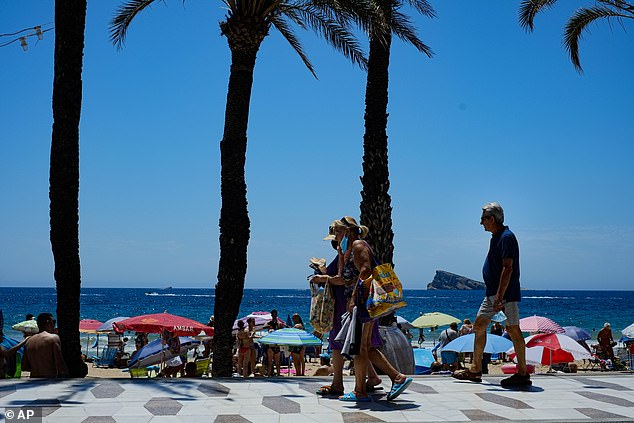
(398, 388)
(352, 397)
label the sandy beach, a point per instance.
(494, 370)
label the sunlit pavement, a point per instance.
(561, 397)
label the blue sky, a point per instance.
(497, 115)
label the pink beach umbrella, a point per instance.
(539, 324)
(89, 325)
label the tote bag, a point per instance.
(322, 307)
(386, 292)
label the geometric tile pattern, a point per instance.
(231, 418)
(585, 398)
(163, 406)
(99, 419)
(107, 390)
(593, 413)
(281, 405)
(358, 417)
(504, 400)
(607, 399)
(595, 383)
(481, 416)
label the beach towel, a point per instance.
(350, 346)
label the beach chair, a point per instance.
(107, 358)
(138, 372)
(202, 367)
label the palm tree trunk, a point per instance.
(234, 216)
(70, 22)
(376, 209)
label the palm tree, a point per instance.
(603, 9)
(376, 209)
(245, 25)
(70, 22)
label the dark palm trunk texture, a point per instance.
(70, 21)
(376, 209)
(244, 40)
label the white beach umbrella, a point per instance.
(628, 331)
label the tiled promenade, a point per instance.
(580, 398)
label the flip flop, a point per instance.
(328, 390)
(371, 388)
(352, 397)
(398, 388)
(467, 375)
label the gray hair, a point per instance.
(494, 209)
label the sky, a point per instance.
(498, 114)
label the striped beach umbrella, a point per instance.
(539, 324)
(494, 344)
(290, 336)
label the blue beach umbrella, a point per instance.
(577, 333)
(291, 337)
(107, 325)
(494, 344)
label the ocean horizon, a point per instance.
(588, 309)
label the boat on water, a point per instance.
(156, 293)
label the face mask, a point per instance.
(344, 244)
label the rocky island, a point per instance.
(447, 280)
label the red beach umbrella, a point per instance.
(550, 348)
(89, 325)
(539, 324)
(157, 323)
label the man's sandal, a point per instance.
(329, 390)
(467, 375)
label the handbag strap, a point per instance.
(376, 263)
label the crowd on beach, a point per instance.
(348, 276)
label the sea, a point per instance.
(586, 309)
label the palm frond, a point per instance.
(122, 19)
(281, 25)
(405, 30)
(335, 34)
(423, 7)
(578, 23)
(530, 8)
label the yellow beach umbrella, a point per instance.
(434, 319)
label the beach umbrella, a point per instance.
(628, 331)
(494, 344)
(577, 333)
(261, 319)
(550, 348)
(27, 326)
(539, 324)
(156, 352)
(107, 325)
(157, 323)
(433, 319)
(405, 324)
(89, 325)
(423, 359)
(291, 337)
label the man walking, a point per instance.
(501, 274)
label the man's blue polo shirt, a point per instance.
(503, 245)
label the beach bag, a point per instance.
(322, 307)
(386, 292)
